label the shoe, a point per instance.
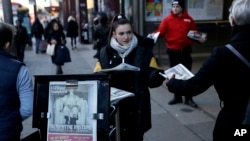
(175, 101)
(59, 70)
(191, 103)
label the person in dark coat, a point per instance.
(37, 31)
(21, 40)
(56, 36)
(72, 31)
(128, 47)
(227, 73)
(16, 88)
(48, 27)
(101, 32)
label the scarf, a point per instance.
(123, 51)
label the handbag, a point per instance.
(50, 49)
(62, 55)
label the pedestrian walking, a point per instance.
(16, 90)
(21, 40)
(227, 73)
(101, 32)
(176, 41)
(56, 36)
(37, 32)
(72, 31)
(49, 26)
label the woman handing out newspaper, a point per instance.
(126, 58)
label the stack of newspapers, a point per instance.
(122, 67)
(118, 94)
(197, 35)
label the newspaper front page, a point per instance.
(180, 71)
(71, 110)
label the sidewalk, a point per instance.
(174, 123)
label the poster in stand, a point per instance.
(70, 110)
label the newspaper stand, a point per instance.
(42, 99)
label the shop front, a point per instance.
(210, 16)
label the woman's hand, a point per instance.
(53, 41)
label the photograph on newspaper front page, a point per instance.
(71, 109)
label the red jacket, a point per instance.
(175, 30)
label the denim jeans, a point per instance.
(38, 40)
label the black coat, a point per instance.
(72, 29)
(37, 29)
(61, 41)
(101, 33)
(229, 76)
(135, 112)
(21, 37)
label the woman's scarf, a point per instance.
(123, 51)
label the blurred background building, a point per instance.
(145, 15)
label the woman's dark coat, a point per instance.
(37, 29)
(72, 29)
(135, 112)
(101, 35)
(229, 76)
(59, 36)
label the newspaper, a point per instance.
(70, 111)
(122, 67)
(197, 35)
(116, 94)
(154, 36)
(180, 71)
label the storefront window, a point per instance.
(155, 10)
(128, 9)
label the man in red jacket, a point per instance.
(175, 28)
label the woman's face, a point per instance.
(55, 26)
(123, 34)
